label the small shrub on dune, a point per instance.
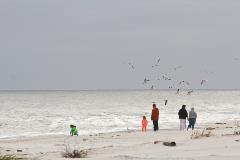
(68, 153)
(236, 133)
(237, 123)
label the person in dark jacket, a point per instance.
(183, 115)
(155, 117)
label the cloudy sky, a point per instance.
(83, 44)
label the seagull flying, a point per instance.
(166, 101)
(203, 81)
(178, 91)
(157, 64)
(189, 92)
(131, 65)
(145, 80)
(166, 78)
(172, 86)
(178, 67)
(184, 82)
(152, 87)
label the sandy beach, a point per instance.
(82, 79)
(223, 142)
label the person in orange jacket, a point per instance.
(155, 117)
(144, 124)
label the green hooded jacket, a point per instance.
(74, 131)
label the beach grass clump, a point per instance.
(11, 157)
(236, 133)
(237, 123)
(200, 134)
(68, 153)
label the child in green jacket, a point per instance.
(74, 130)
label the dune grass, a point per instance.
(11, 157)
(200, 134)
(69, 153)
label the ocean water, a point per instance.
(51, 112)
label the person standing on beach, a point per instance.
(144, 124)
(155, 117)
(183, 115)
(192, 119)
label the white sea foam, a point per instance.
(38, 113)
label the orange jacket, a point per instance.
(155, 114)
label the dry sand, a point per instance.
(221, 144)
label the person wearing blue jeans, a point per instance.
(192, 119)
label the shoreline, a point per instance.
(198, 126)
(221, 144)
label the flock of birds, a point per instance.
(178, 84)
(165, 77)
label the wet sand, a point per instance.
(220, 144)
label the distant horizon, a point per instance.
(76, 90)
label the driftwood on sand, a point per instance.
(221, 123)
(210, 128)
(171, 144)
(236, 133)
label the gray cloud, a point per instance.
(87, 44)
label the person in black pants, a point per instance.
(155, 117)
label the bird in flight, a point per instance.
(131, 65)
(189, 92)
(157, 64)
(178, 67)
(166, 78)
(178, 91)
(152, 87)
(145, 80)
(204, 81)
(166, 101)
(184, 82)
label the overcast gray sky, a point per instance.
(76, 44)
